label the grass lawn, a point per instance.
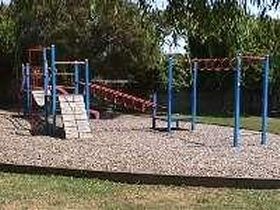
(56, 192)
(251, 123)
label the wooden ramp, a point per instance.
(74, 117)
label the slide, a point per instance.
(121, 98)
(39, 97)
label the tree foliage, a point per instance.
(122, 38)
(7, 32)
(118, 37)
(126, 39)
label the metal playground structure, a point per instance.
(216, 65)
(45, 94)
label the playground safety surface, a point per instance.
(127, 144)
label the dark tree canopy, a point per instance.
(123, 38)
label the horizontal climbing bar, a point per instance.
(211, 59)
(66, 87)
(253, 58)
(215, 69)
(65, 74)
(224, 64)
(246, 57)
(69, 62)
(115, 81)
(39, 49)
(35, 50)
(214, 64)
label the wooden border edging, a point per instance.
(150, 179)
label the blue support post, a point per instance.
(169, 92)
(264, 139)
(236, 134)
(46, 86)
(46, 72)
(194, 95)
(28, 88)
(54, 94)
(154, 112)
(76, 67)
(23, 83)
(24, 89)
(91, 76)
(87, 96)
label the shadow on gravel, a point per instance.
(149, 179)
(37, 126)
(163, 129)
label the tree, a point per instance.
(118, 36)
(7, 32)
(126, 42)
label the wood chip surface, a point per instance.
(128, 144)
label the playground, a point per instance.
(128, 105)
(57, 127)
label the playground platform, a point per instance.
(127, 144)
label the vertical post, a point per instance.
(236, 132)
(154, 113)
(76, 67)
(91, 76)
(28, 88)
(24, 89)
(54, 95)
(23, 77)
(46, 85)
(194, 95)
(46, 73)
(169, 92)
(87, 99)
(264, 140)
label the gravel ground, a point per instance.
(127, 144)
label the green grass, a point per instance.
(251, 123)
(56, 192)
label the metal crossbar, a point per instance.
(70, 62)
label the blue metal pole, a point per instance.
(46, 85)
(194, 95)
(24, 90)
(91, 76)
(46, 73)
(23, 83)
(154, 113)
(28, 88)
(169, 92)
(236, 134)
(264, 140)
(87, 96)
(54, 94)
(76, 67)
